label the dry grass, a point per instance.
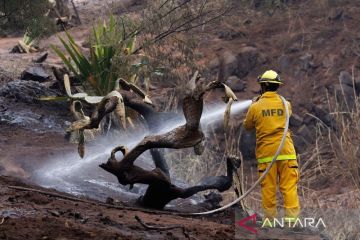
(330, 172)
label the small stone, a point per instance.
(77, 215)
(36, 74)
(105, 220)
(41, 58)
(247, 21)
(54, 213)
(110, 201)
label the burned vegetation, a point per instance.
(160, 189)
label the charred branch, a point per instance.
(161, 191)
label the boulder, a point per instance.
(345, 96)
(306, 134)
(328, 61)
(299, 143)
(357, 85)
(295, 120)
(321, 112)
(35, 74)
(230, 64)
(306, 62)
(345, 78)
(309, 120)
(236, 84)
(284, 63)
(248, 144)
(247, 60)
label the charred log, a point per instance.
(161, 190)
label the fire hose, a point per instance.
(281, 145)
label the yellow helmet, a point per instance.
(269, 76)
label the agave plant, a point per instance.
(26, 45)
(96, 70)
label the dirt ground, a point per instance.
(31, 215)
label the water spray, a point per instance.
(240, 106)
(83, 177)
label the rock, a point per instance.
(284, 63)
(295, 120)
(110, 201)
(214, 64)
(212, 200)
(247, 144)
(306, 134)
(29, 119)
(309, 120)
(25, 91)
(106, 220)
(247, 60)
(35, 74)
(357, 85)
(293, 49)
(323, 114)
(345, 78)
(41, 58)
(236, 84)
(230, 34)
(328, 61)
(345, 96)
(54, 213)
(230, 64)
(336, 15)
(299, 143)
(306, 62)
(247, 21)
(346, 90)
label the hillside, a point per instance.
(313, 45)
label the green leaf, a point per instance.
(64, 59)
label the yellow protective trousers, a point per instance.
(285, 172)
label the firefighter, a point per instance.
(267, 115)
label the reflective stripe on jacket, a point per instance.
(267, 116)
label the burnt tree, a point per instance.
(161, 191)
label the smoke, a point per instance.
(77, 176)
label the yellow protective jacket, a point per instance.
(267, 116)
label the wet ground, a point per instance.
(30, 215)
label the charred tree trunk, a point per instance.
(161, 191)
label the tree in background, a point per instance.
(17, 16)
